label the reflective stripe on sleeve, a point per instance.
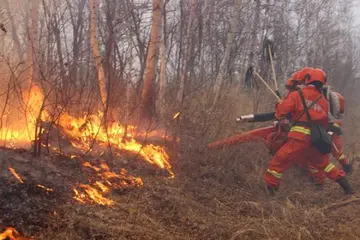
(274, 173)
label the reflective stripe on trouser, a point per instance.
(329, 167)
(329, 170)
(317, 176)
(274, 173)
(294, 151)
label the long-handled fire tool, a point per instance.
(269, 46)
(267, 85)
(268, 54)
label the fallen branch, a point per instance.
(341, 204)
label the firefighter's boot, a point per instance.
(345, 185)
(319, 186)
(272, 190)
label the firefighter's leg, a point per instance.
(322, 163)
(338, 153)
(317, 175)
(283, 159)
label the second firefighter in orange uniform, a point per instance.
(298, 147)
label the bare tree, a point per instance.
(96, 53)
(229, 47)
(188, 48)
(148, 93)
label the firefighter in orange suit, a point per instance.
(298, 146)
(336, 110)
(295, 82)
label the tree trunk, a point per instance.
(188, 47)
(14, 32)
(59, 52)
(148, 93)
(229, 47)
(77, 41)
(162, 80)
(32, 42)
(253, 38)
(96, 53)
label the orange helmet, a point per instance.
(304, 73)
(294, 80)
(296, 76)
(341, 102)
(316, 75)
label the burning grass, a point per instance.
(103, 181)
(85, 131)
(11, 234)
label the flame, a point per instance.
(16, 174)
(176, 115)
(106, 180)
(45, 188)
(11, 234)
(83, 131)
(92, 195)
(18, 125)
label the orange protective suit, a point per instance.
(298, 147)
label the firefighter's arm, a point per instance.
(287, 106)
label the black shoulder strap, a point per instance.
(306, 109)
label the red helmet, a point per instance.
(294, 80)
(297, 76)
(304, 73)
(316, 74)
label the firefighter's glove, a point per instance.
(347, 169)
(284, 125)
(276, 105)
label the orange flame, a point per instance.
(12, 234)
(176, 115)
(92, 195)
(16, 175)
(19, 124)
(9, 233)
(45, 188)
(83, 131)
(108, 180)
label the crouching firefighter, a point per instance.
(306, 139)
